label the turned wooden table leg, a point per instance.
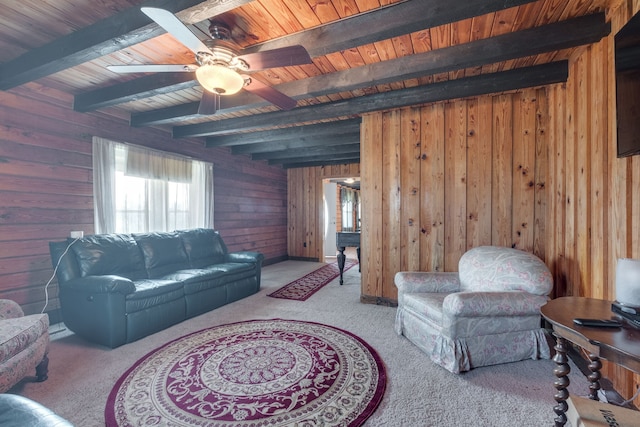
(561, 383)
(594, 377)
(341, 258)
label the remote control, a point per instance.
(598, 323)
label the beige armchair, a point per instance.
(24, 343)
(486, 313)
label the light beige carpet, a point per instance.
(418, 392)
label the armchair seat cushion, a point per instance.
(427, 305)
(20, 333)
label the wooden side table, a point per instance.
(347, 240)
(618, 345)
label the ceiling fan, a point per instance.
(219, 65)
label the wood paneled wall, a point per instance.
(440, 179)
(536, 170)
(306, 213)
(594, 203)
(46, 187)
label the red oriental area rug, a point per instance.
(256, 373)
(303, 288)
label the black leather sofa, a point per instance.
(118, 288)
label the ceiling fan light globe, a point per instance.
(219, 79)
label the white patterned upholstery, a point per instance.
(485, 314)
(24, 342)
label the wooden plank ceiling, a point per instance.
(367, 55)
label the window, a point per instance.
(137, 189)
(350, 201)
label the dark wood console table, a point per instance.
(617, 345)
(346, 240)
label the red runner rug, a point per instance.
(252, 374)
(304, 287)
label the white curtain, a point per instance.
(139, 189)
(104, 185)
(151, 164)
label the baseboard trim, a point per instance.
(370, 299)
(299, 258)
(275, 260)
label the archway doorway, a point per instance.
(342, 212)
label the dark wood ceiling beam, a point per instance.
(327, 150)
(319, 130)
(378, 24)
(547, 38)
(316, 161)
(133, 90)
(292, 144)
(228, 104)
(384, 23)
(166, 115)
(539, 75)
(122, 30)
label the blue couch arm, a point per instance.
(100, 285)
(95, 307)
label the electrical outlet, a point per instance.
(76, 234)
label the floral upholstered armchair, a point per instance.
(485, 314)
(24, 343)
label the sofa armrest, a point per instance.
(10, 309)
(245, 256)
(424, 281)
(100, 285)
(476, 304)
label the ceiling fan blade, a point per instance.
(270, 94)
(152, 68)
(281, 57)
(176, 28)
(209, 104)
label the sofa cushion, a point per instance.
(187, 276)
(163, 252)
(115, 254)
(153, 292)
(204, 247)
(233, 268)
(196, 280)
(20, 333)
